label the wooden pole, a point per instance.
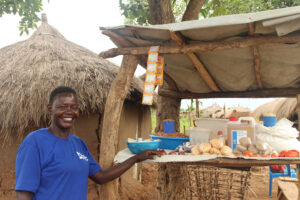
(111, 121)
(298, 110)
(204, 46)
(298, 171)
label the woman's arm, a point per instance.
(106, 175)
(24, 195)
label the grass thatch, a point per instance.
(282, 108)
(31, 69)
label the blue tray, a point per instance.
(170, 142)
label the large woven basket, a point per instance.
(214, 183)
(202, 182)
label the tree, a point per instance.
(137, 11)
(26, 9)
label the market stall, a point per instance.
(247, 56)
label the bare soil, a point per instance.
(146, 190)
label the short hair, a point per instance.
(59, 90)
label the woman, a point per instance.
(54, 164)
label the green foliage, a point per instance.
(228, 7)
(26, 9)
(137, 11)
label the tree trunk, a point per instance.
(197, 108)
(193, 9)
(161, 11)
(111, 121)
(167, 108)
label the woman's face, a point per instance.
(64, 110)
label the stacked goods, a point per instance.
(214, 146)
(260, 149)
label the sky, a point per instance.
(79, 21)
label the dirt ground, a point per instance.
(259, 185)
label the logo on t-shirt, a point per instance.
(82, 157)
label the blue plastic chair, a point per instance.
(287, 172)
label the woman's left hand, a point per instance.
(147, 155)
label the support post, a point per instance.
(111, 121)
(298, 171)
(298, 112)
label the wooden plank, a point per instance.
(204, 46)
(264, 93)
(111, 121)
(207, 78)
(239, 162)
(287, 190)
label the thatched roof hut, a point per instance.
(32, 68)
(282, 108)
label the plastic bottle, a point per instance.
(221, 136)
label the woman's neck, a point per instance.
(61, 133)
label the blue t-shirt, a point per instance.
(54, 168)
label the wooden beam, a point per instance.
(255, 58)
(111, 121)
(207, 78)
(204, 46)
(265, 93)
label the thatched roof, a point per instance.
(286, 108)
(282, 108)
(31, 69)
(211, 111)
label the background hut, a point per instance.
(31, 69)
(282, 108)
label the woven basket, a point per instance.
(213, 183)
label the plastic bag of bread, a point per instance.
(226, 151)
(216, 143)
(253, 149)
(215, 151)
(195, 150)
(240, 148)
(205, 147)
(245, 141)
(237, 152)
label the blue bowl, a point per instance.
(170, 142)
(138, 147)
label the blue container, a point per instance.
(138, 147)
(170, 142)
(269, 121)
(169, 126)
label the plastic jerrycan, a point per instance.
(244, 127)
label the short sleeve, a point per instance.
(94, 167)
(27, 168)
